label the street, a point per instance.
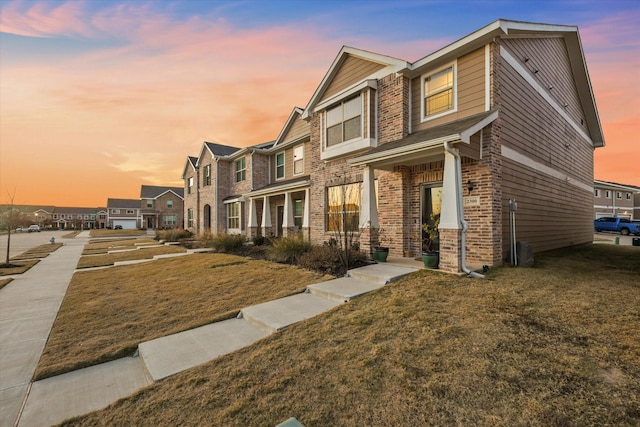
(21, 242)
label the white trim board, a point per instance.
(512, 154)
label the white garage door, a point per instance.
(127, 224)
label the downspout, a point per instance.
(460, 209)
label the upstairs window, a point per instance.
(439, 93)
(241, 169)
(149, 203)
(169, 204)
(113, 211)
(344, 121)
(628, 196)
(618, 195)
(130, 212)
(279, 165)
(607, 194)
(597, 192)
(298, 160)
(190, 185)
(207, 175)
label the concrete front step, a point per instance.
(169, 355)
(343, 289)
(380, 273)
(55, 399)
(275, 315)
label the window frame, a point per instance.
(454, 92)
(299, 160)
(206, 175)
(282, 166)
(341, 106)
(170, 204)
(343, 214)
(149, 203)
(234, 213)
(607, 194)
(241, 169)
(597, 192)
(619, 195)
(190, 217)
(170, 219)
(190, 185)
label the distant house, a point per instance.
(125, 213)
(162, 207)
(76, 218)
(500, 123)
(613, 199)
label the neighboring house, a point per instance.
(74, 218)
(505, 114)
(162, 207)
(613, 199)
(125, 213)
(30, 214)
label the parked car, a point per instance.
(33, 228)
(19, 230)
(623, 226)
(117, 227)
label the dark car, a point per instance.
(117, 227)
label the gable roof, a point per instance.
(220, 150)
(296, 114)
(154, 191)
(475, 40)
(192, 162)
(123, 203)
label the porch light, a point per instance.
(470, 186)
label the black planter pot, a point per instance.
(380, 253)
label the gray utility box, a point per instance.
(525, 254)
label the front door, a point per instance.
(279, 220)
(430, 206)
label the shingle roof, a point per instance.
(74, 210)
(155, 191)
(123, 203)
(221, 150)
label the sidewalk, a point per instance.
(28, 308)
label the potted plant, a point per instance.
(431, 242)
(379, 252)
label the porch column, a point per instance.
(266, 215)
(449, 216)
(305, 214)
(287, 221)
(253, 214)
(368, 210)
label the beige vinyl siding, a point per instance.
(299, 129)
(551, 212)
(288, 162)
(350, 72)
(549, 56)
(470, 91)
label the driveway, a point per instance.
(611, 237)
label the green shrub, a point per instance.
(288, 249)
(327, 259)
(223, 242)
(173, 234)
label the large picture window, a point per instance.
(241, 170)
(279, 165)
(344, 121)
(439, 92)
(343, 207)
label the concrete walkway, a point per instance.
(28, 308)
(55, 399)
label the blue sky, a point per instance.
(139, 85)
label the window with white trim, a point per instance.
(189, 217)
(607, 194)
(597, 192)
(190, 185)
(241, 169)
(149, 203)
(169, 204)
(280, 165)
(234, 215)
(618, 195)
(298, 160)
(628, 196)
(439, 92)
(297, 212)
(206, 173)
(113, 211)
(344, 121)
(343, 207)
(130, 211)
(170, 220)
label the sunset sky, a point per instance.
(99, 97)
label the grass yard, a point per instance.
(104, 232)
(554, 345)
(24, 261)
(144, 253)
(107, 313)
(103, 246)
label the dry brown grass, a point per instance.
(24, 261)
(555, 345)
(18, 267)
(107, 313)
(142, 253)
(5, 282)
(103, 232)
(104, 246)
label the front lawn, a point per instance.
(554, 345)
(104, 232)
(130, 255)
(107, 313)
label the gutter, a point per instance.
(460, 209)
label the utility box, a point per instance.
(525, 254)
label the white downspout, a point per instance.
(460, 209)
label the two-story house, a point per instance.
(162, 207)
(498, 125)
(125, 213)
(613, 199)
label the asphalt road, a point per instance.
(21, 242)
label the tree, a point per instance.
(344, 202)
(10, 220)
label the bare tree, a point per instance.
(344, 215)
(10, 217)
